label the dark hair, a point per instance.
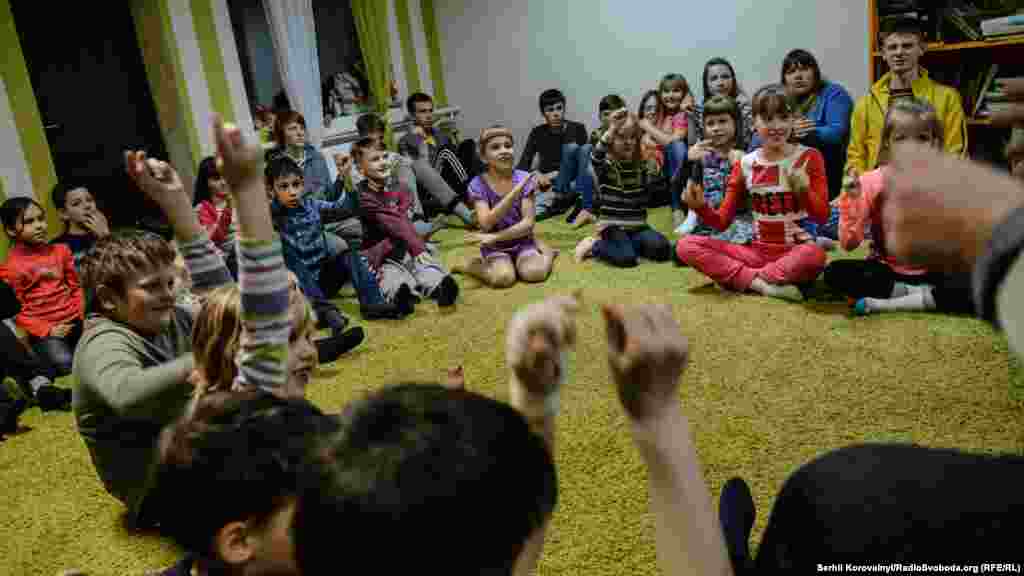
(207, 170)
(13, 208)
(667, 81)
(611, 102)
(550, 97)
(643, 102)
(718, 105)
(800, 58)
(281, 166)
(369, 123)
(412, 455)
(237, 456)
(410, 102)
(360, 147)
(901, 25)
(718, 61)
(62, 189)
(113, 259)
(771, 100)
(284, 118)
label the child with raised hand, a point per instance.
(46, 283)
(408, 264)
(622, 200)
(784, 183)
(713, 159)
(669, 129)
(881, 282)
(84, 223)
(583, 213)
(504, 200)
(212, 202)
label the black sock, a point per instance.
(446, 292)
(736, 514)
(405, 300)
(329, 349)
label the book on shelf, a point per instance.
(961, 22)
(980, 95)
(1003, 26)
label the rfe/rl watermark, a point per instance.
(898, 568)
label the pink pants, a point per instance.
(735, 265)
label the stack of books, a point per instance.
(1003, 26)
(991, 98)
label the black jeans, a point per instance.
(622, 248)
(18, 362)
(58, 353)
(873, 279)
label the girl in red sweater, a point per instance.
(213, 207)
(44, 279)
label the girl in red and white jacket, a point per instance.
(44, 279)
(212, 203)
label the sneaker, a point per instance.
(382, 311)
(331, 348)
(446, 292)
(405, 300)
(584, 249)
(53, 398)
(9, 413)
(688, 225)
(331, 317)
(860, 308)
(736, 513)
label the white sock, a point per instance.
(38, 382)
(918, 298)
(783, 291)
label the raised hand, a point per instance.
(157, 179)
(536, 338)
(694, 195)
(797, 178)
(239, 159)
(851, 187)
(647, 354)
(96, 223)
(699, 150)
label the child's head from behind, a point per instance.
(410, 454)
(371, 126)
(129, 277)
(230, 475)
(217, 333)
(722, 121)
(672, 90)
(720, 79)
(497, 147)
(290, 129)
(372, 160)
(607, 105)
(1015, 153)
(909, 120)
(210, 184)
(24, 220)
(773, 115)
(285, 179)
(552, 106)
(74, 203)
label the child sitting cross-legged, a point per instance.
(84, 223)
(622, 199)
(213, 206)
(504, 200)
(713, 159)
(388, 231)
(880, 282)
(785, 183)
(44, 279)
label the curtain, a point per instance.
(412, 70)
(293, 32)
(371, 17)
(434, 51)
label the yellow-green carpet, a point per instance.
(770, 385)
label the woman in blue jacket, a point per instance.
(290, 135)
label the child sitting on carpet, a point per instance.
(785, 183)
(84, 223)
(713, 159)
(881, 283)
(622, 200)
(385, 205)
(504, 200)
(668, 130)
(46, 283)
(213, 205)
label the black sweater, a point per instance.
(548, 143)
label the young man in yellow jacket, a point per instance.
(902, 47)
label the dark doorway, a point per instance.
(88, 77)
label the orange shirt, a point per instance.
(44, 279)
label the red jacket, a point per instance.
(216, 226)
(45, 281)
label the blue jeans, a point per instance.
(675, 158)
(622, 248)
(335, 270)
(574, 175)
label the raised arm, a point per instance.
(488, 216)
(662, 137)
(647, 355)
(537, 344)
(854, 212)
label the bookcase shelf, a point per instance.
(955, 46)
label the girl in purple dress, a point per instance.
(503, 201)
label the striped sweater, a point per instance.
(263, 281)
(622, 195)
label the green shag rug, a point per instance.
(770, 385)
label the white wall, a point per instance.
(499, 55)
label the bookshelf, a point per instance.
(959, 64)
